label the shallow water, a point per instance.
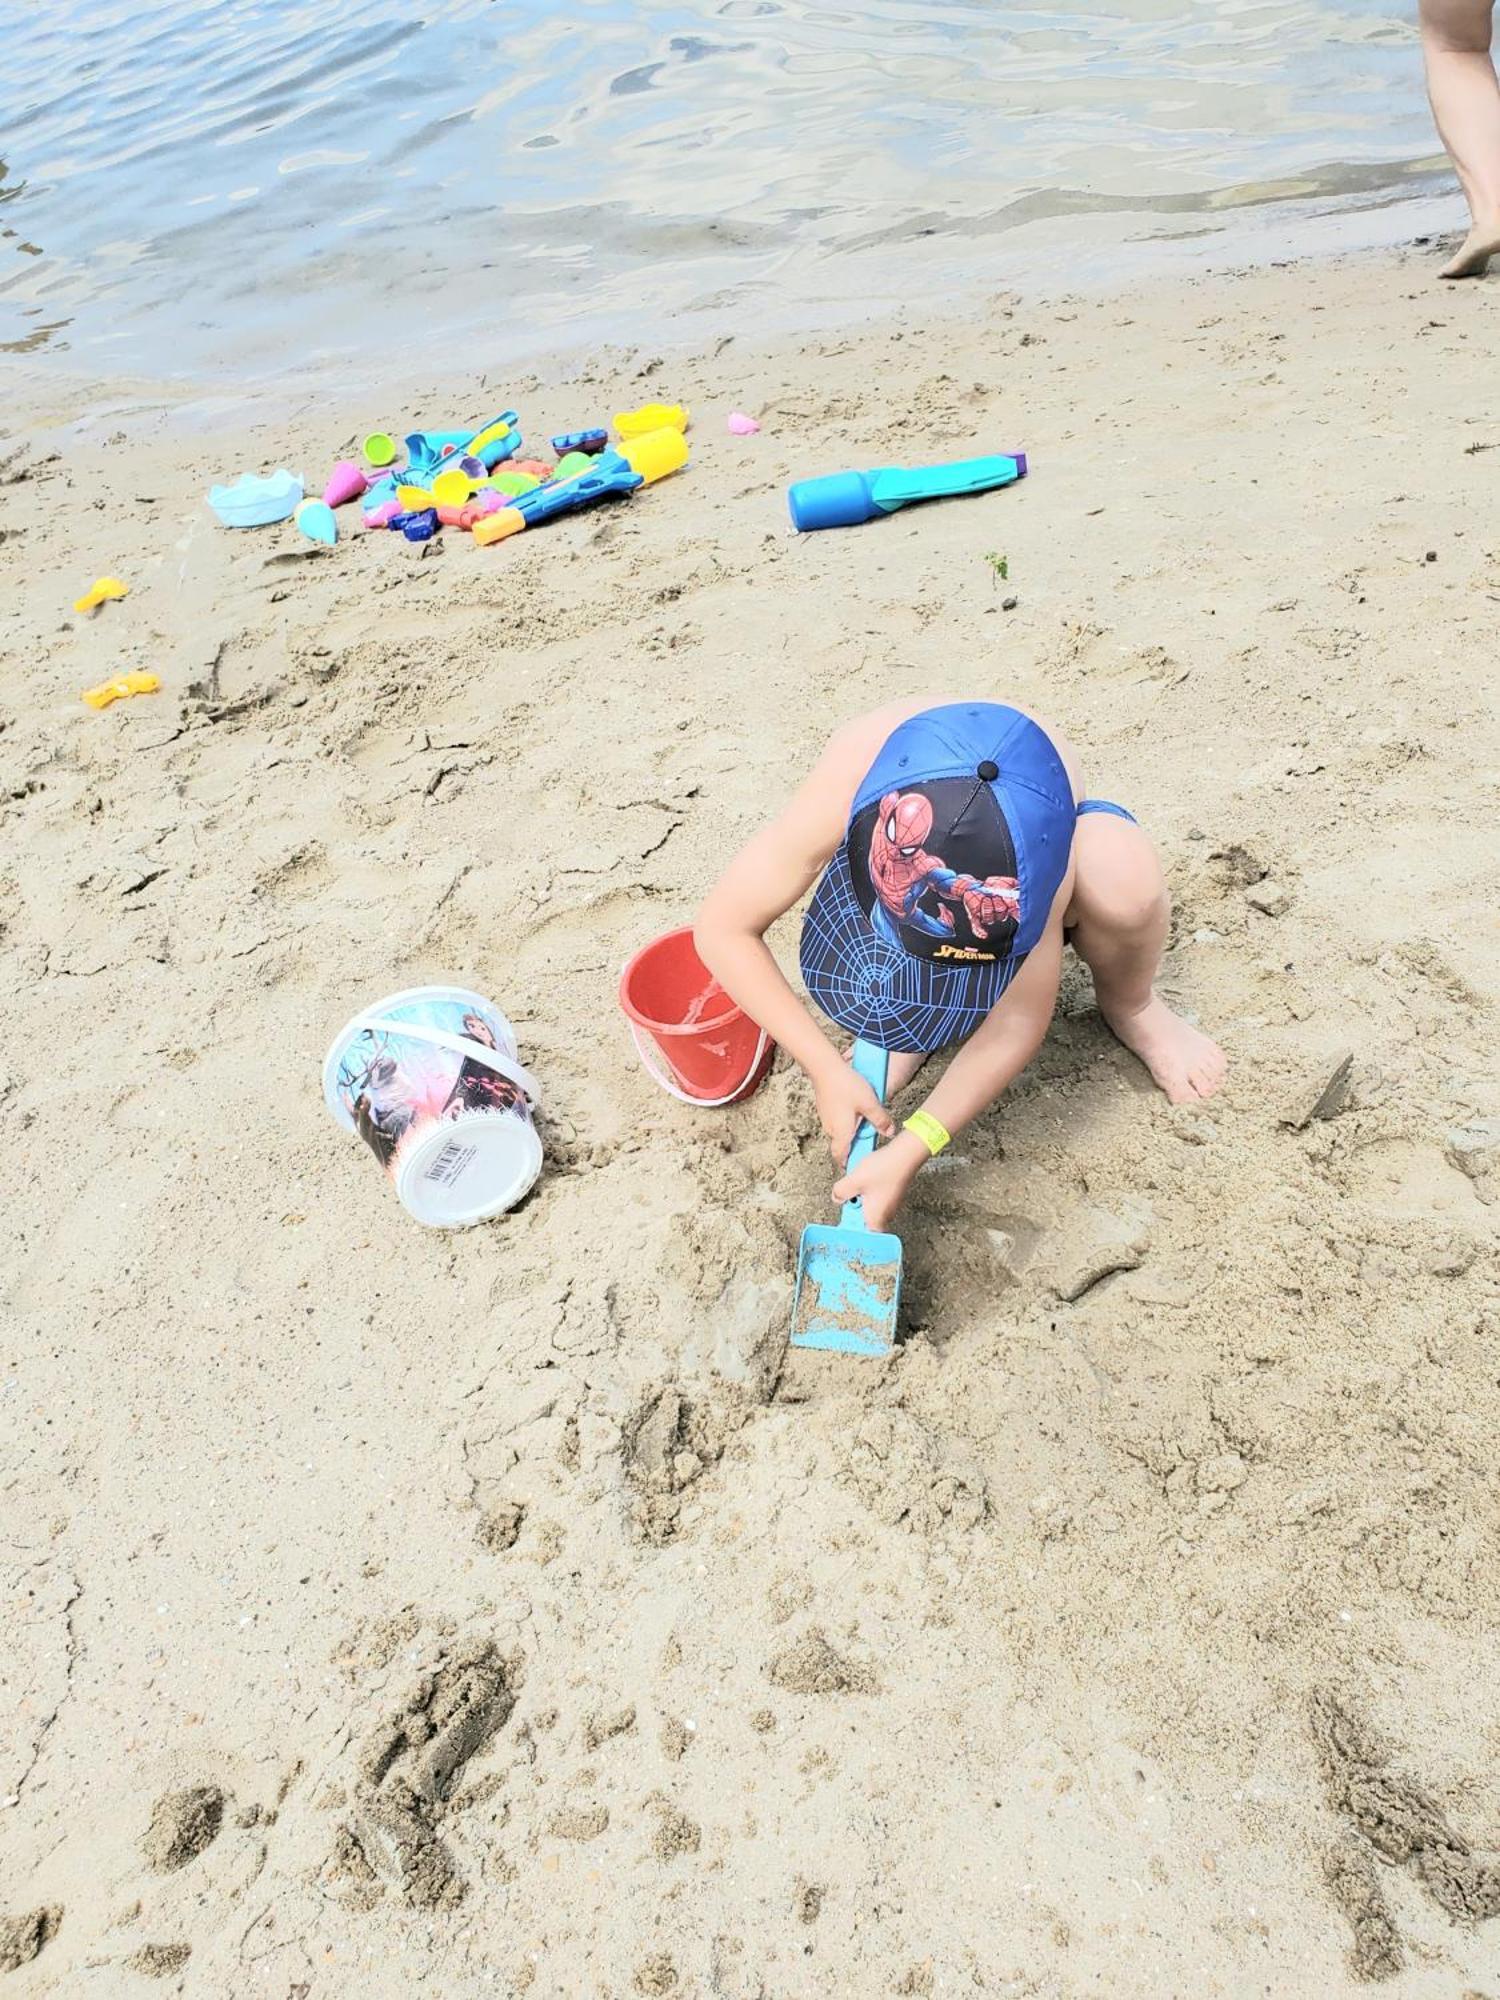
(261, 184)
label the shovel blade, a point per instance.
(848, 1290)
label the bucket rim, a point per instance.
(704, 1025)
(438, 991)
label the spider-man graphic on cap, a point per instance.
(914, 887)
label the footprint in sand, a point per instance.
(409, 1777)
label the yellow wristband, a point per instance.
(933, 1135)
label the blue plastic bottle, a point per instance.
(844, 499)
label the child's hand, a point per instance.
(843, 1099)
(881, 1180)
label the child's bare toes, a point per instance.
(1183, 1061)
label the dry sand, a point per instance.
(392, 1613)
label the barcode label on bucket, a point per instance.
(450, 1163)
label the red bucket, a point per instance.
(688, 1032)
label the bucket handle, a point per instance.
(649, 1063)
(460, 1045)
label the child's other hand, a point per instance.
(881, 1180)
(843, 1099)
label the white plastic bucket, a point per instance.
(430, 1080)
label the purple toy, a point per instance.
(592, 442)
(419, 526)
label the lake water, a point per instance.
(266, 185)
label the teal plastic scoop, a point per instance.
(848, 1276)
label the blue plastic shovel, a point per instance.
(848, 1276)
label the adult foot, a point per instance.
(1183, 1062)
(1471, 259)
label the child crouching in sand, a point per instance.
(959, 855)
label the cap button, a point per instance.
(989, 772)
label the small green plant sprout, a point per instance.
(999, 564)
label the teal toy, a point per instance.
(497, 440)
(256, 499)
(844, 499)
(315, 519)
(848, 1276)
(427, 451)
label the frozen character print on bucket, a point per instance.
(386, 1097)
(479, 1088)
(431, 1080)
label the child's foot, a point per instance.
(1472, 257)
(900, 1068)
(1182, 1061)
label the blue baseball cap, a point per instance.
(958, 841)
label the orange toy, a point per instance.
(498, 526)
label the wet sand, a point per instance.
(509, 1612)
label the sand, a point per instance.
(507, 1612)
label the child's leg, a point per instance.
(1118, 922)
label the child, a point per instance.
(959, 854)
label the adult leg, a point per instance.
(1118, 920)
(1465, 100)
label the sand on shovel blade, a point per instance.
(848, 1287)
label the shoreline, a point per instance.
(1046, 259)
(541, 1626)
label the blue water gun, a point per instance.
(844, 499)
(608, 476)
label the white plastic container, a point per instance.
(430, 1080)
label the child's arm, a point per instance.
(771, 872)
(991, 1059)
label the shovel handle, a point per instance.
(873, 1065)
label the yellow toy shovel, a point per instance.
(119, 688)
(104, 591)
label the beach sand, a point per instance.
(396, 1613)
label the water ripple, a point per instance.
(179, 177)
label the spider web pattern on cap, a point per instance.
(881, 993)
